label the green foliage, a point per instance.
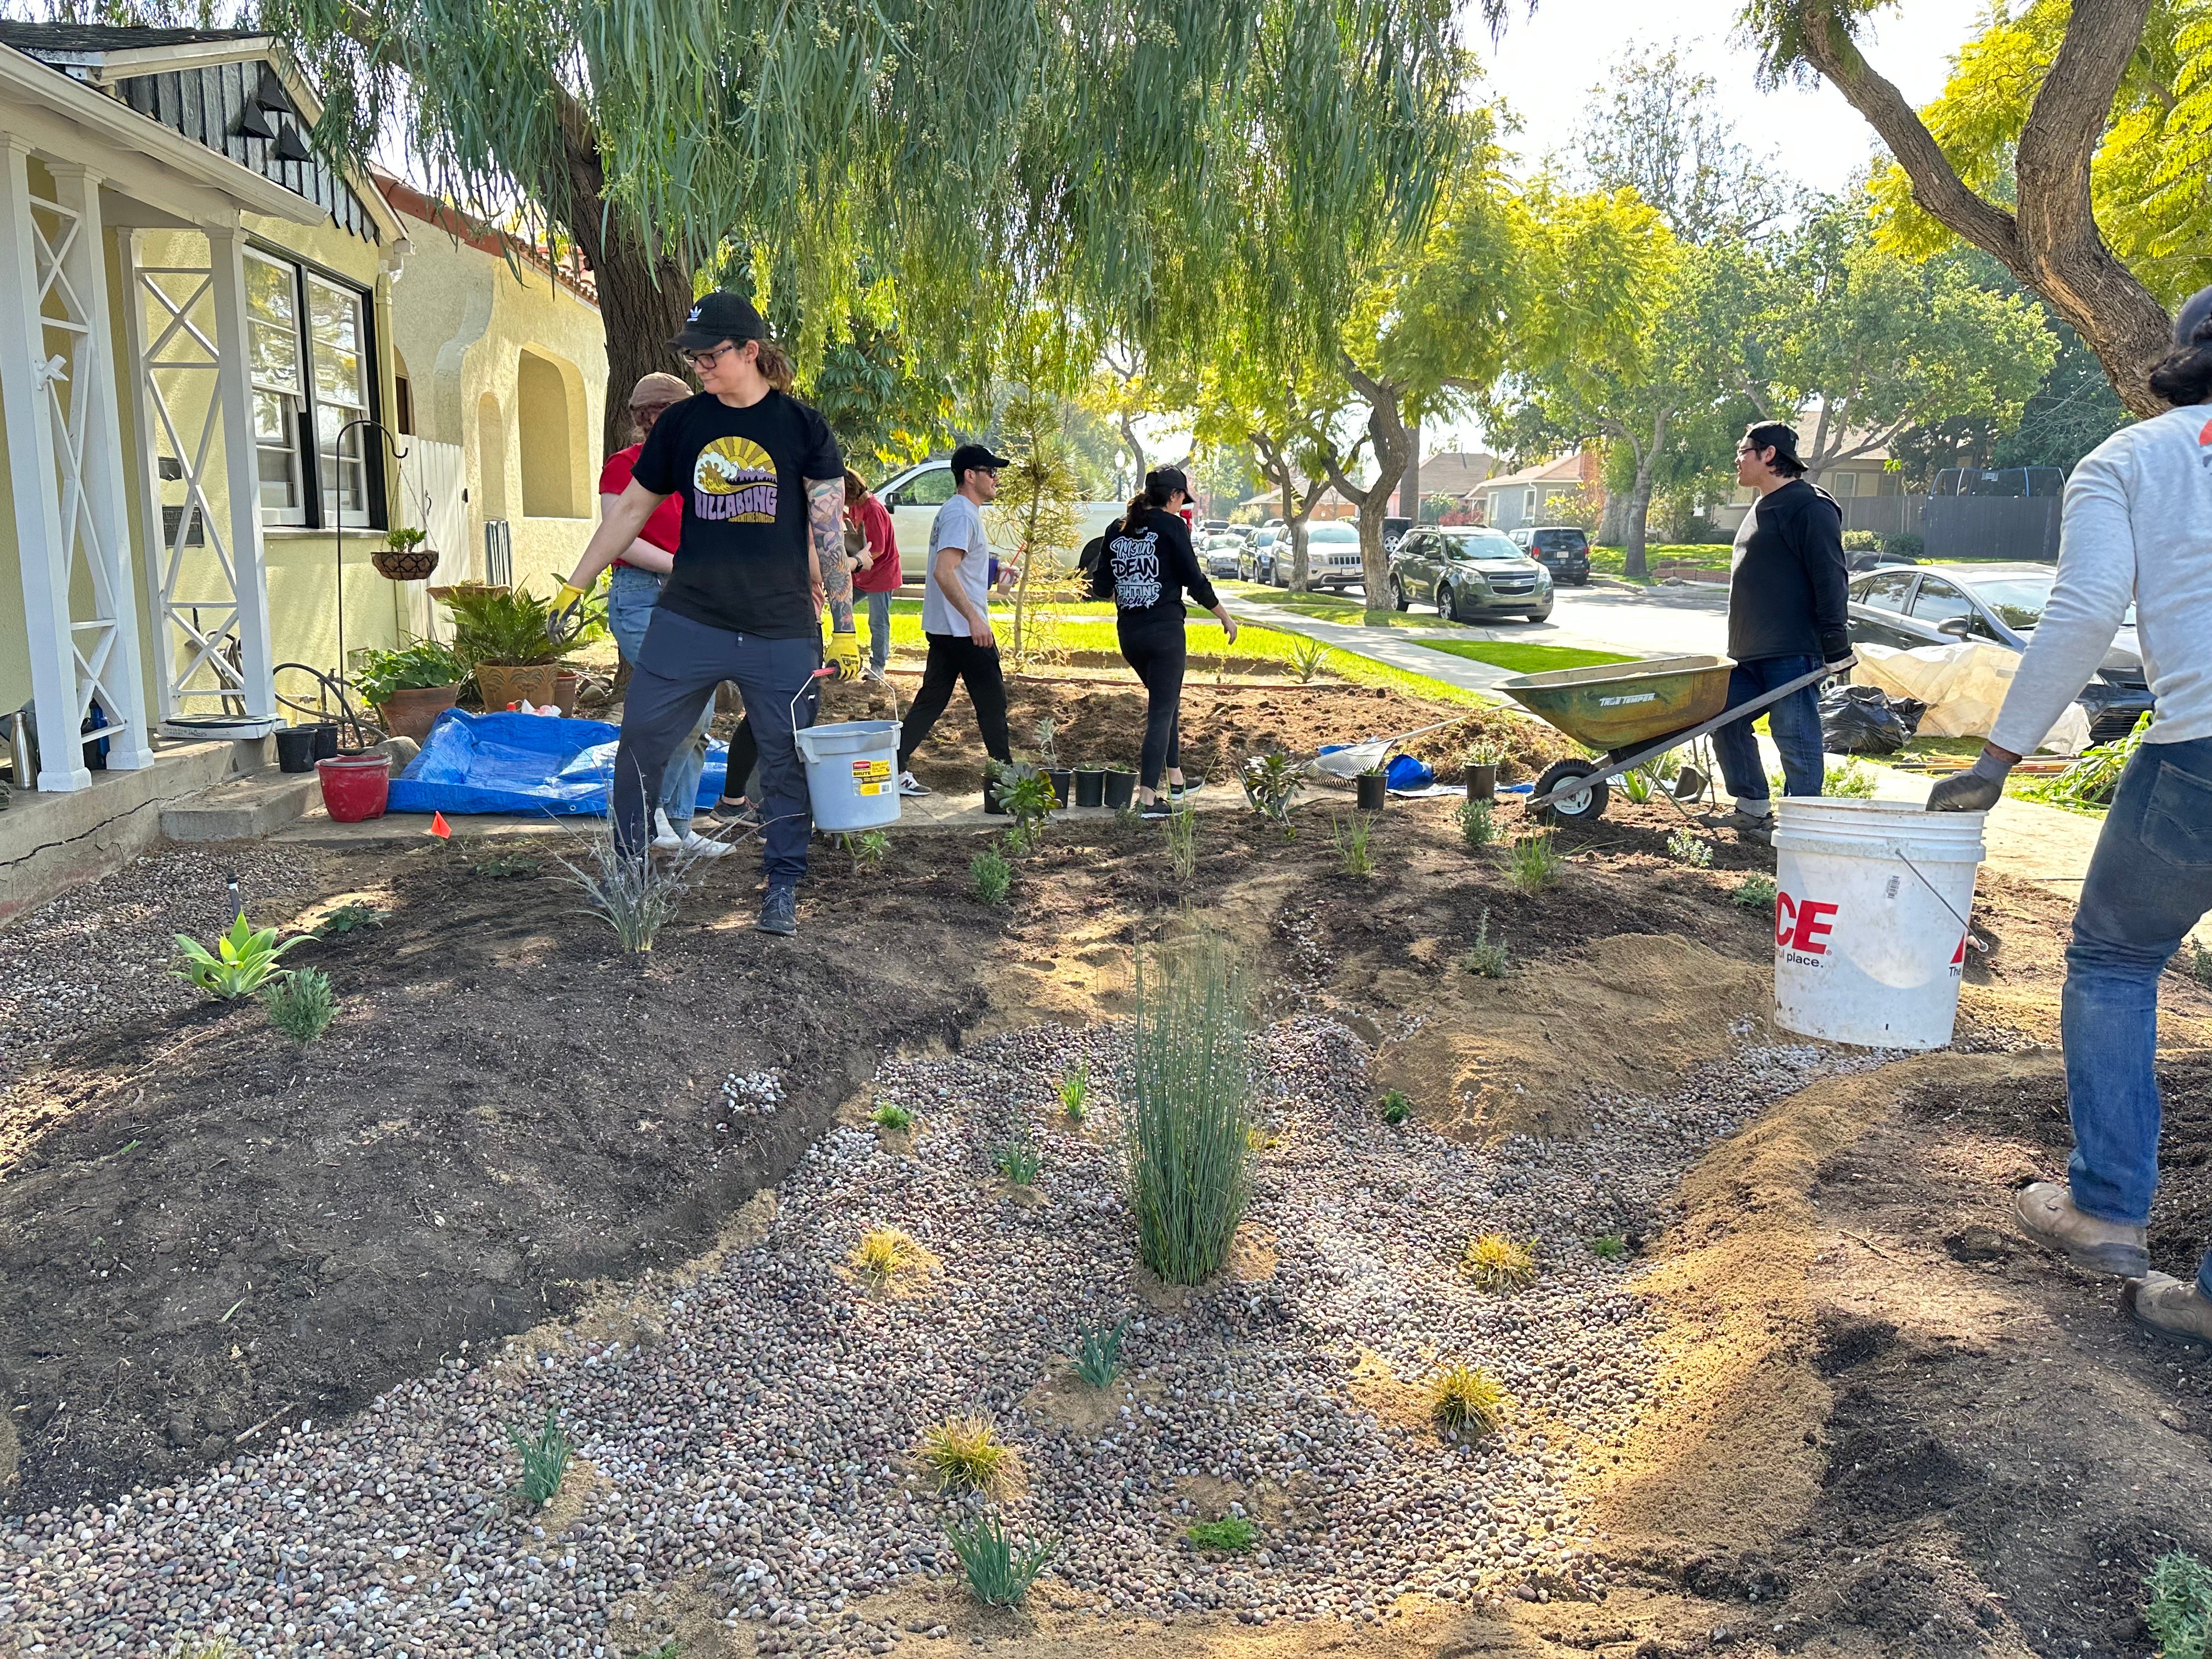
(1097, 1353)
(966, 1454)
(1026, 795)
(1495, 1262)
(504, 630)
(1486, 958)
(506, 865)
(1534, 863)
(1911, 543)
(883, 1253)
(1609, 1247)
(2095, 773)
(1477, 823)
(1037, 496)
(1397, 1108)
(1468, 1402)
(350, 917)
(1232, 1535)
(1016, 1158)
(1075, 1091)
(544, 1459)
(999, 1574)
(414, 667)
(243, 960)
(1182, 831)
(2197, 961)
(1861, 541)
(993, 874)
(1306, 660)
(1848, 777)
(2179, 1606)
(1187, 1107)
(890, 1115)
(301, 1003)
(868, 847)
(1353, 856)
(636, 897)
(406, 539)
(1695, 850)
(1755, 893)
(1270, 781)
(1635, 784)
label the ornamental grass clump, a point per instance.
(1016, 1159)
(636, 897)
(1000, 1573)
(966, 1454)
(1468, 1402)
(1075, 1091)
(883, 1253)
(1353, 856)
(1495, 1262)
(1534, 863)
(1097, 1353)
(1187, 1107)
(544, 1460)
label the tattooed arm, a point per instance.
(825, 513)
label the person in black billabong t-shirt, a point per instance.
(762, 546)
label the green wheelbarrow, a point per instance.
(1633, 712)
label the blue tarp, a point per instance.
(522, 764)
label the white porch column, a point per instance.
(41, 541)
(242, 472)
(122, 677)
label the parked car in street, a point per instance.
(1220, 553)
(1332, 556)
(1257, 563)
(1561, 549)
(1467, 572)
(1912, 606)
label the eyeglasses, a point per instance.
(701, 361)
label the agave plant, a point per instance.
(243, 961)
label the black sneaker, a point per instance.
(740, 813)
(1179, 790)
(1152, 810)
(779, 911)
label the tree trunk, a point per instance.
(1636, 533)
(1391, 440)
(1136, 452)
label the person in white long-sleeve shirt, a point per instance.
(2137, 530)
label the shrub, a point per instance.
(1097, 1353)
(883, 1253)
(1186, 1108)
(544, 1460)
(301, 1003)
(867, 847)
(1485, 753)
(1495, 1262)
(349, 917)
(1075, 1091)
(504, 629)
(999, 1574)
(1848, 777)
(1233, 1534)
(636, 897)
(965, 1454)
(1906, 544)
(1861, 541)
(1181, 828)
(1609, 1247)
(2198, 964)
(1486, 957)
(1397, 1108)
(993, 875)
(416, 667)
(1270, 781)
(1027, 795)
(1016, 1160)
(1353, 856)
(1685, 848)
(1468, 1402)
(889, 1117)
(1755, 893)
(243, 961)
(2180, 1612)
(1534, 863)
(1477, 823)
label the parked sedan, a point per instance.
(1911, 606)
(1467, 572)
(1220, 553)
(1257, 562)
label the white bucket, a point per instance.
(1870, 922)
(851, 773)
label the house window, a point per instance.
(310, 356)
(1843, 485)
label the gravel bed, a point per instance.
(757, 1437)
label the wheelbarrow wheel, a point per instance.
(1579, 806)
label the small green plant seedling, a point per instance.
(966, 1454)
(349, 917)
(1635, 784)
(544, 1460)
(215, 1647)
(1075, 1091)
(1486, 958)
(1609, 1247)
(1534, 863)
(243, 961)
(999, 1574)
(883, 1253)
(1097, 1353)
(867, 847)
(1353, 854)
(994, 876)
(1695, 851)
(1232, 1534)
(1477, 823)
(889, 1117)
(1755, 893)
(1270, 781)
(1016, 1159)
(506, 866)
(2179, 1607)
(1468, 1402)
(1306, 656)
(1183, 843)
(672, 1649)
(1495, 1262)
(301, 1003)
(1397, 1108)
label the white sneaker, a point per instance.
(911, 785)
(665, 837)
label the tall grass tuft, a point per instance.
(1187, 1107)
(1534, 863)
(1097, 1353)
(1468, 1402)
(544, 1460)
(999, 1574)
(301, 1004)
(2180, 1611)
(1075, 1091)
(1495, 1262)
(1016, 1159)
(636, 897)
(1353, 856)
(965, 1454)
(1182, 843)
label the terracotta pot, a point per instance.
(412, 714)
(501, 685)
(412, 565)
(567, 685)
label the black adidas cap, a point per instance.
(718, 317)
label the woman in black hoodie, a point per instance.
(1147, 564)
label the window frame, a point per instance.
(313, 512)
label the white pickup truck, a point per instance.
(914, 495)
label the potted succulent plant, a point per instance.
(410, 687)
(503, 639)
(1373, 784)
(1482, 761)
(403, 557)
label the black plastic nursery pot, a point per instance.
(1090, 788)
(1121, 789)
(296, 749)
(1482, 782)
(1371, 789)
(1063, 779)
(991, 794)
(326, 739)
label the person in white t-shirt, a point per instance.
(955, 617)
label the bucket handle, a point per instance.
(1965, 925)
(824, 672)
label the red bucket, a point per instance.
(355, 787)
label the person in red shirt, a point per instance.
(633, 590)
(870, 540)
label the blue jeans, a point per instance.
(2149, 882)
(631, 595)
(1795, 722)
(879, 628)
(681, 661)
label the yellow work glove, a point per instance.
(566, 619)
(844, 654)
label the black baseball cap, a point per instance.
(1168, 481)
(971, 456)
(718, 317)
(1772, 434)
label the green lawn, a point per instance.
(1523, 659)
(1704, 556)
(1328, 607)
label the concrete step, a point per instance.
(242, 809)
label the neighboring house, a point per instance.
(194, 328)
(1331, 506)
(1453, 473)
(1533, 495)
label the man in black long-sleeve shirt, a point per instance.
(1787, 617)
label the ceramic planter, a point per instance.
(412, 714)
(504, 685)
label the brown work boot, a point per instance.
(2171, 1309)
(2047, 1215)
